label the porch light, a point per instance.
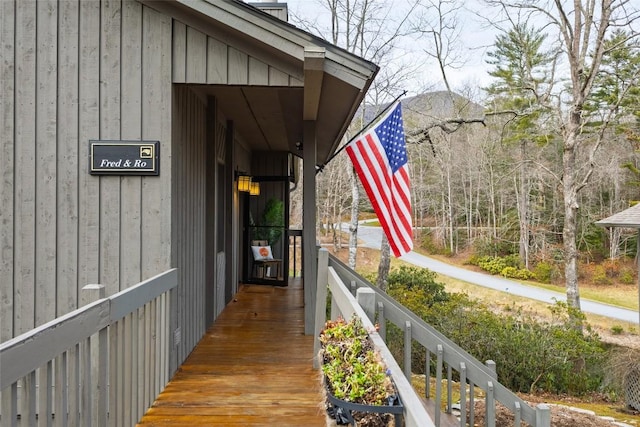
(254, 189)
(244, 183)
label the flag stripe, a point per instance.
(379, 158)
(380, 198)
(373, 174)
(386, 186)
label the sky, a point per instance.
(474, 40)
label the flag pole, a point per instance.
(321, 167)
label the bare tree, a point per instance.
(372, 29)
(581, 28)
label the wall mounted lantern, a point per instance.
(254, 188)
(244, 182)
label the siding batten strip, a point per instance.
(110, 115)
(45, 155)
(7, 171)
(131, 129)
(67, 158)
(89, 128)
(24, 187)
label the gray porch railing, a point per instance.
(344, 304)
(102, 364)
(447, 355)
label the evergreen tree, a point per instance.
(521, 73)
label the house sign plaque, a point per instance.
(124, 157)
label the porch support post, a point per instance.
(210, 219)
(231, 220)
(309, 251)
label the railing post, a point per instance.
(91, 293)
(492, 366)
(439, 362)
(95, 375)
(366, 297)
(427, 373)
(382, 322)
(449, 388)
(517, 414)
(101, 385)
(407, 350)
(490, 407)
(463, 394)
(472, 403)
(321, 302)
(543, 415)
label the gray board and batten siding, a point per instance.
(111, 70)
(76, 71)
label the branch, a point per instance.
(422, 135)
(443, 124)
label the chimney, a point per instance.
(279, 10)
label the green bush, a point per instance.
(530, 355)
(546, 272)
(517, 273)
(419, 283)
(627, 276)
(430, 244)
(617, 330)
(600, 276)
(508, 266)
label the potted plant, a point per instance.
(357, 382)
(271, 224)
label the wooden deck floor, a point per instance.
(252, 368)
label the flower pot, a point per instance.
(359, 389)
(344, 412)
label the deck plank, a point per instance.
(253, 367)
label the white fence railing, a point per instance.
(442, 356)
(102, 364)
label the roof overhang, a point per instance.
(628, 218)
(326, 83)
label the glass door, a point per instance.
(266, 234)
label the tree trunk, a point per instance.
(353, 226)
(523, 205)
(450, 224)
(570, 189)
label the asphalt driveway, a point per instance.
(371, 237)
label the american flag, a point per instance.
(379, 156)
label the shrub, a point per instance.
(545, 271)
(530, 355)
(611, 267)
(507, 266)
(600, 276)
(517, 273)
(617, 330)
(429, 243)
(627, 276)
(419, 283)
